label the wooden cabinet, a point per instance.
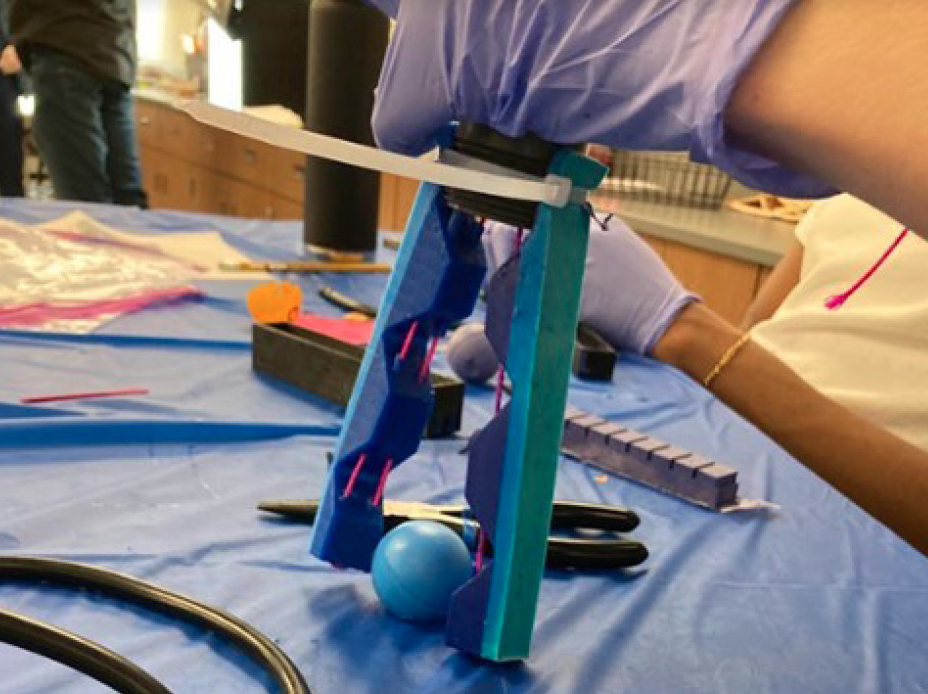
(225, 195)
(171, 183)
(288, 175)
(193, 167)
(282, 208)
(190, 166)
(144, 123)
(726, 285)
(404, 194)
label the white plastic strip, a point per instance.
(553, 190)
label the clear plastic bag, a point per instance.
(65, 280)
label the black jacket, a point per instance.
(99, 34)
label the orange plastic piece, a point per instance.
(275, 302)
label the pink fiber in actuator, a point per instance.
(427, 362)
(349, 487)
(382, 485)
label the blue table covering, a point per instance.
(816, 597)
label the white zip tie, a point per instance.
(552, 190)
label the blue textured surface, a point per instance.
(435, 282)
(815, 598)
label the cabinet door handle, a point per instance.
(251, 156)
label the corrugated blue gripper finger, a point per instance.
(533, 307)
(434, 284)
(468, 612)
(467, 616)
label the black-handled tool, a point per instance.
(349, 303)
(563, 552)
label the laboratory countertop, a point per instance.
(723, 231)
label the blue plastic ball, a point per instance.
(417, 567)
(470, 354)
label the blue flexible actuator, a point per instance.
(434, 284)
(533, 302)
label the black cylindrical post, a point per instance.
(347, 41)
(274, 57)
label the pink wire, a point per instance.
(427, 362)
(378, 495)
(481, 550)
(84, 396)
(408, 341)
(837, 301)
(500, 383)
(354, 475)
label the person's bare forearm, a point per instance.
(776, 288)
(883, 474)
(840, 91)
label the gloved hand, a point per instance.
(636, 74)
(629, 295)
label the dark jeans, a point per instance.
(85, 132)
(11, 141)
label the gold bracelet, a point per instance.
(727, 357)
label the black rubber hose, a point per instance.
(78, 653)
(113, 584)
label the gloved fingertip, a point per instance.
(393, 133)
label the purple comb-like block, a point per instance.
(669, 455)
(572, 413)
(601, 433)
(574, 435)
(579, 433)
(708, 482)
(621, 442)
(615, 449)
(691, 465)
(588, 421)
(644, 450)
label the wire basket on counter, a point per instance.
(664, 177)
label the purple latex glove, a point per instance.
(629, 295)
(636, 74)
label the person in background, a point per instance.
(81, 56)
(11, 126)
